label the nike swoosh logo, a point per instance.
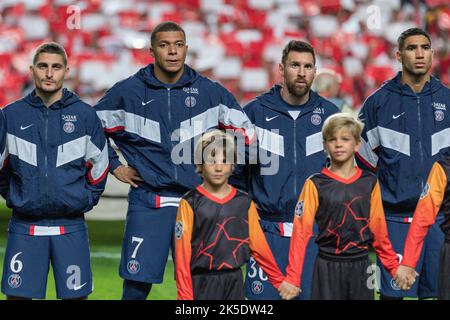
(270, 119)
(76, 288)
(23, 128)
(146, 103)
(397, 116)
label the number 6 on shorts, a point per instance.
(16, 265)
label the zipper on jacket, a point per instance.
(295, 159)
(420, 138)
(46, 155)
(172, 143)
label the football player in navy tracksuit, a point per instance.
(153, 118)
(406, 130)
(56, 171)
(288, 120)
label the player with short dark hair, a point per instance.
(56, 171)
(167, 26)
(51, 48)
(406, 131)
(409, 33)
(297, 46)
(154, 117)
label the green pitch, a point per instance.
(105, 242)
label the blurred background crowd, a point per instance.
(237, 42)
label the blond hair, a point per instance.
(342, 120)
(211, 144)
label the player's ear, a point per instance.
(66, 73)
(152, 52)
(398, 55)
(281, 69)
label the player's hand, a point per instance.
(127, 175)
(405, 277)
(288, 291)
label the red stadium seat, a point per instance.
(252, 31)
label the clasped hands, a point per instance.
(405, 277)
(288, 291)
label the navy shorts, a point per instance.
(257, 285)
(426, 285)
(29, 251)
(148, 236)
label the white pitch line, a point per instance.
(105, 255)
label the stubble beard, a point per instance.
(297, 92)
(49, 91)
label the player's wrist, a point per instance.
(408, 264)
(114, 164)
(292, 282)
(116, 170)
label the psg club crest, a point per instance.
(133, 266)
(14, 281)
(316, 119)
(190, 102)
(299, 208)
(439, 115)
(257, 287)
(69, 127)
(394, 285)
(178, 230)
